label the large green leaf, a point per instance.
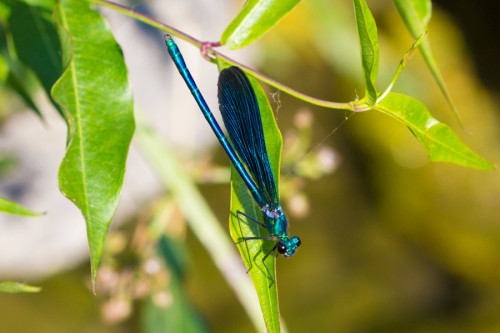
(95, 92)
(416, 15)
(14, 208)
(254, 20)
(241, 200)
(16, 287)
(35, 39)
(368, 41)
(441, 143)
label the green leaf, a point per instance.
(241, 200)
(16, 287)
(367, 31)
(179, 315)
(95, 92)
(254, 20)
(14, 208)
(12, 72)
(176, 317)
(441, 143)
(416, 14)
(9, 78)
(36, 41)
(4, 69)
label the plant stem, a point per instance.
(285, 89)
(406, 57)
(208, 50)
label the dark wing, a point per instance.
(241, 114)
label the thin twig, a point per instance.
(208, 51)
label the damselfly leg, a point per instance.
(246, 239)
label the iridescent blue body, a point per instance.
(241, 114)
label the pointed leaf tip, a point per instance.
(368, 41)
(17, 287)
(11, 207)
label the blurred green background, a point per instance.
(391, 242)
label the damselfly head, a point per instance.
(289, 246)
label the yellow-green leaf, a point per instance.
(14, 208)
(17, 287)
(441, 143)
